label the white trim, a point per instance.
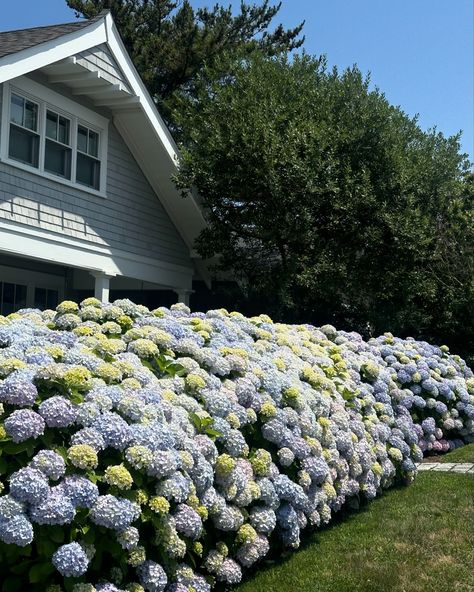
(38, 56)
(24, 241)
(125, 63)
(47, 99)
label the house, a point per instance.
(87, 201)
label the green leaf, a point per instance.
(40, 571)
(16, 448)
(57, 534)
(12, 584)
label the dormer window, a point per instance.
(54, 136)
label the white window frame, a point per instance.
(78, 115)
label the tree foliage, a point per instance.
(170, 41)
(328, 202)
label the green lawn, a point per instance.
(414, 539)
(465, 454)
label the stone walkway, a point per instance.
(447, 467)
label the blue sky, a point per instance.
(420, 53)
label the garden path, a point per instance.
(447, 467)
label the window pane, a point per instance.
(88, 171)
(57, 159)
(52, 298)
(24, 146)
(52, 125)
(40, 298)
(16, 109)
(20, 296)
(8, 304)
(31, 115)
(93, 144)
(63, 130)
(82, 138)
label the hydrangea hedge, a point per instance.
(169, 450)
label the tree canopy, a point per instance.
(328, 202)
(170, 41)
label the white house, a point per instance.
(87, 201)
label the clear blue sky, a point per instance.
(419, 52)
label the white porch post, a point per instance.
(102, 285)
(183, 295)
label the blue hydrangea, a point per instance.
(152, 576)
(24, 424)
(55, 509)
(29, 485)
(82, 492)
(114, 430)
(16, 531)
(50, 463)
(71, 560)
(187, 522)
(89, 436)
(18, 392)
(57, 412)
(10, 507)
(113, 512)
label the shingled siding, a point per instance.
(131, 217)
(99, 59)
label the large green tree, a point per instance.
(170, 41)
(328, 202)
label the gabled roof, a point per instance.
(139, 123)
(15, 41)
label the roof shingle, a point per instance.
(15, 41)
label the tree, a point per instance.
(169, 41)
(327, 202)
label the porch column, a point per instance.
(184, 295)
(102, 285)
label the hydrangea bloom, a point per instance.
(207, 423)
(70, 560)
(24, 424)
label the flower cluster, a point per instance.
(202, 438)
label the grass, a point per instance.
(465, 454)
(414, 539)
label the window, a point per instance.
(54, 136)
(88, 164)
(24, 139)
(12, 297)
(57, 150)
(46, 298)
